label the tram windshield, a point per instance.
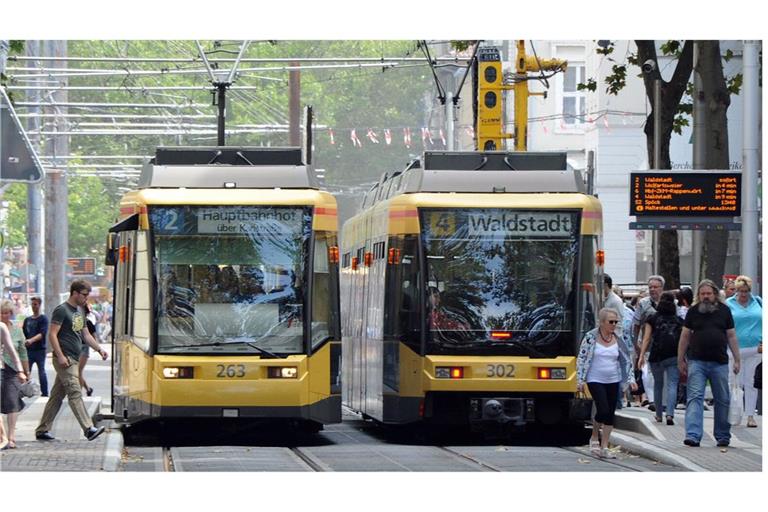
(500, 278)
(230, 278)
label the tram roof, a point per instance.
(480, 172)
(227, 167)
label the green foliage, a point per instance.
(461, 46)
(16, 46)
(88, 222)
(591, 85)
(678, 123)
(605, 51)
(672, 48)
(16, 227)
(617, 80)
(734, 83)
(728, 55)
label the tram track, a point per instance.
(168, 465)
(464, 456)
(309, 461)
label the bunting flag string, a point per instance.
(442, 137)
(355, 141)
(407, 137)
(330, 133)
(372, 136)
(388, 137)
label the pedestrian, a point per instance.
(35, 329)
(85, 350)
(729, 288)
(613, 301)
(603, 364)
(8, 353)
(11, 403)
(747, 311)
(66, 334)
(645, 308)
(702, 355)
(662, 335)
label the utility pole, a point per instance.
(34, 190)
(56, 191)
(699, 156)
(294, 105)
(751, 163)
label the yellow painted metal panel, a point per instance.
(477, 369)
(410, 373)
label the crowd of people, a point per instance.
(680, 340)
(69, 335)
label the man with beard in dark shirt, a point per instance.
(707, 334)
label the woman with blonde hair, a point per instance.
(747, 311)
(15, 370)
(604, 365)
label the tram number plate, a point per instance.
(500, 370)
(230, 371)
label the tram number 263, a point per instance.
(500, 370)
(230, 371)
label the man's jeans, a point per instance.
(698, 373)
(668, 368)
(37, 357)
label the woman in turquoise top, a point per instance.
(747, 311)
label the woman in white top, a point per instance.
(603, 365)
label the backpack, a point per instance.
(665, 337)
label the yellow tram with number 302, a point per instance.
(226, 290)
(467, 283)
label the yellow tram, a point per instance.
(226, 290)
(467, 282)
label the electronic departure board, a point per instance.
(685, 194)
(82, 266)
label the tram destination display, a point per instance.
(685, 194)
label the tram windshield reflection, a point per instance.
(499, 277)
(230, 275)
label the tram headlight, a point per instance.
(282, 372)
(448, 372)
(178, 372)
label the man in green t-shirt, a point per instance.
(65, 336)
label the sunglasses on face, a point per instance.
(613, 322)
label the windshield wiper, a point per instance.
(263, 351)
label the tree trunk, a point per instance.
(717, 100)
(671, 94)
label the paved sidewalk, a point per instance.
(637, 432)
(69, 452)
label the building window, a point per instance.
(573, 101)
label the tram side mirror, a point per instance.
(110, 257)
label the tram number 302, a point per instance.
(500, 370)
(230, 371)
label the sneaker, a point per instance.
(594, 448)
(670, 420)
(691, 442)
(657, 418)
(607, 454)
(723, 443)
(751, 423)
(93, 432)
(44, 436)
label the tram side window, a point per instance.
(324, 291)
(588, 299)
(125, 279)
(401, 308)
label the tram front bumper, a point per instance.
(502, 410)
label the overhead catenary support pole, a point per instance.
(699, 157)
(294, 106)
(34, 196)
(656, 163)
(56, 198)
(751, 164)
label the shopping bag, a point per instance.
(648, 381)
(736, 407)
(29, 389)
(580, 408)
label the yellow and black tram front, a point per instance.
(484, 300)
(226, 306)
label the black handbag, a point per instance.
(580, 408)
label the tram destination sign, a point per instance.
(685, 194)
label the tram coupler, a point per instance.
(514, 411)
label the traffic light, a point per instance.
(489, 100)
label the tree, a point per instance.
(674, 115)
